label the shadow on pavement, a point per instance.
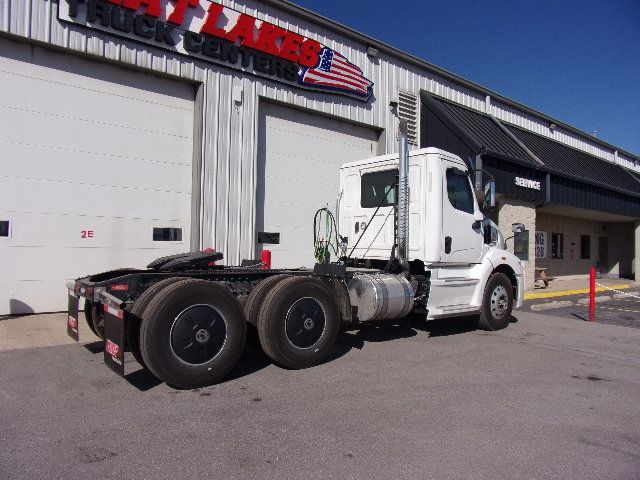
(95, 347)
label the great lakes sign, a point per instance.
(215, 33)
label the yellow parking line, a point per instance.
(564, 293)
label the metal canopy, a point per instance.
(489, 136)
(567, 161)
(478, 130)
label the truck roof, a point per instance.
(394, 156)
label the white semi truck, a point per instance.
(413, 240)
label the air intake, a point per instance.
(408, 109)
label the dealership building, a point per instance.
(133, 129)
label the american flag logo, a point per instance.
(335, 72)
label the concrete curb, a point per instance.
(623, 295)
(550, 305)
(599, 298)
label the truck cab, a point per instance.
(448, 231)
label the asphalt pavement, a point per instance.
(548, 397)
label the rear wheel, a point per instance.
(134, 319)
(252, 309)
(97, 320)
(89, 314)
(298, 322)
(497, 303)
(192, 333)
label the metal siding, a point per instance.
(568, 192)
(228, 178)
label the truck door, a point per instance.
(461, 217)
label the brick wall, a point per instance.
(512, 210)
(620, 242)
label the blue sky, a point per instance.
(577, 61)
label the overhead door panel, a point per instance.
(299, 159)
(94, 157)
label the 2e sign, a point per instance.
(219, 34)
(86, 234)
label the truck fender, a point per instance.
(342, 297)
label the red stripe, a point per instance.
(335, 83)
(348, 66)
(359, 78)
(338, 78)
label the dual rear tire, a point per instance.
(191, 333)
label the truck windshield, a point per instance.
(378, 189)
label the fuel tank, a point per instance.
(381, 296)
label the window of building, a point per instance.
(521, 245)
(4, 228)
(557, 245)
(167, 234)
(378, 189)
(459, 190)
(585, 247)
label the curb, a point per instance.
(600, 298)
(551, 305)
(564, 293)
(624, 295)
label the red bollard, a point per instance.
(592, 295)
(266, 259)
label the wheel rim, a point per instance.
(305, 322)
(499, 302)
(198, 334)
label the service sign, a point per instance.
(218, 34)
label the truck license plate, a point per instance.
(72, 317)
(114, 338)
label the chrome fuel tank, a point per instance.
(380, 296)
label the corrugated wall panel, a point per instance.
(229, 140)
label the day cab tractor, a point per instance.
(412, 239)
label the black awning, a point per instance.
(479, 130)
(570, 162)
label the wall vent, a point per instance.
(409, 109)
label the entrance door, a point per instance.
(603, 254)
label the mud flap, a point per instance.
(114, 318)
(72, 316)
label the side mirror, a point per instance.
(489, 194)
(517, 228)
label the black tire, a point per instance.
(192, 333)
(298, 323)
(97, 320)
(497, 303)
(252, 309)
(88, 315)
(134, 318)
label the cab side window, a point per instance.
(459, 190)
(378, 189)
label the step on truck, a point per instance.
(411, 238)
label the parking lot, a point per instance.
(548, 397)
(613, 307)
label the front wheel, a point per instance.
(497, 303)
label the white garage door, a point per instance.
(94, 157)
(299, 158)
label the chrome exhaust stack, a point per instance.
(403, 196)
